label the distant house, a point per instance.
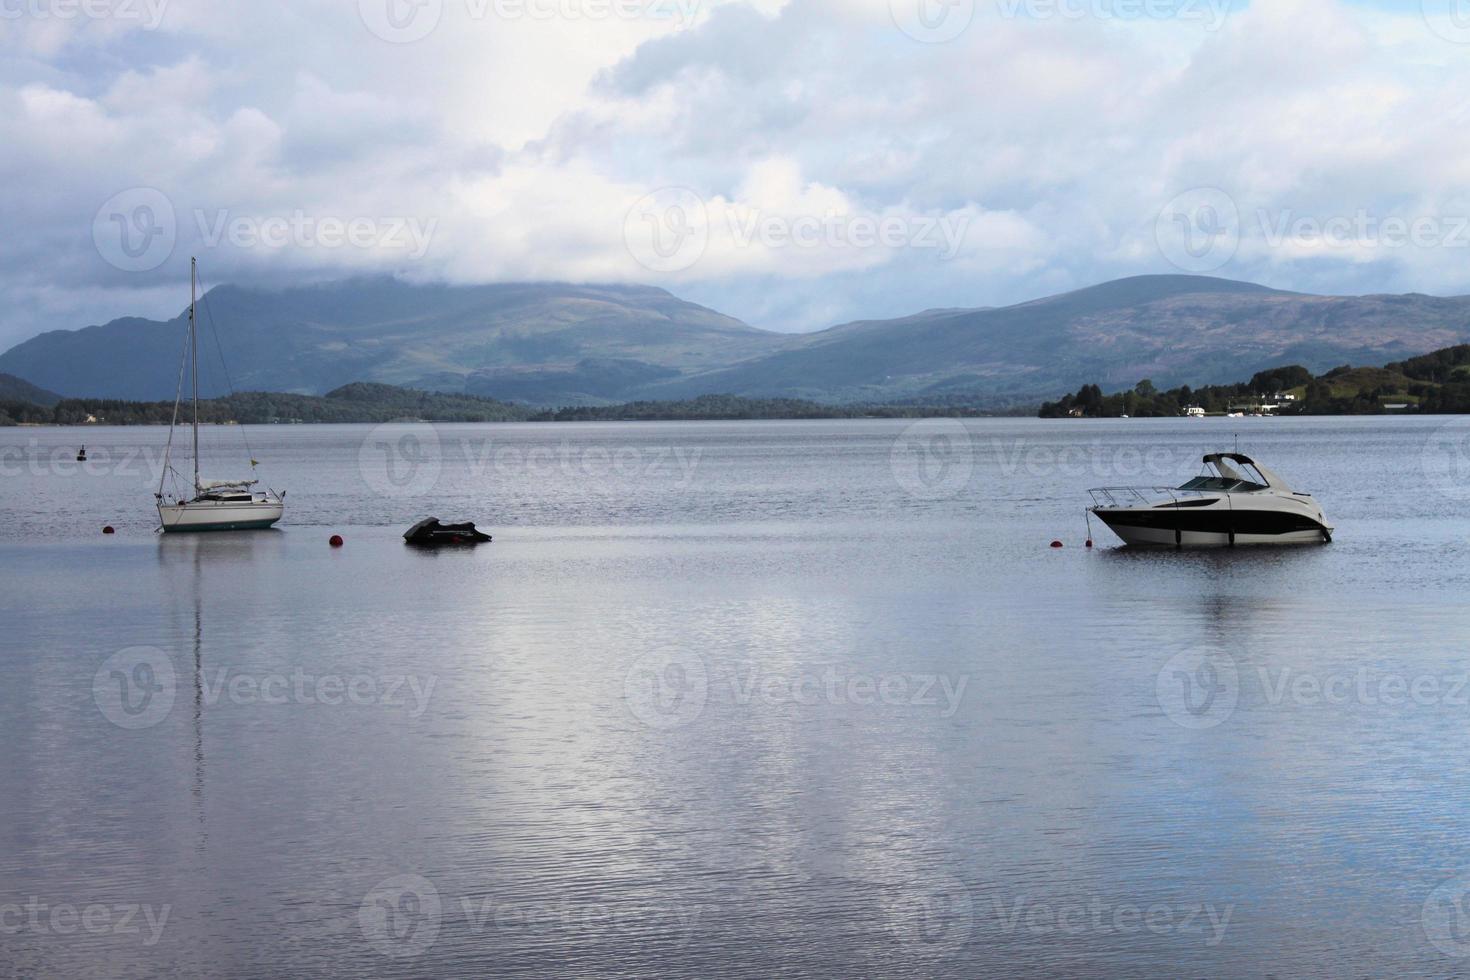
(1283, 396)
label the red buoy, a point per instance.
(108, 530)
(335, 541)
(1056, 544)
(1089, 542)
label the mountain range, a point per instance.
(563, 344)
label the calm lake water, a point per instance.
(756, 699)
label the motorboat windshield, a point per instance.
(1237, 468)
(1222, 483)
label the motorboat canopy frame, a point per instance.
(1226, 473)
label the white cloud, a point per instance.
(1044, 145)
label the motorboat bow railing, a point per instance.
(1138, 496)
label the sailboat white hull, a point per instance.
(220, 515)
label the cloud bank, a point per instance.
(795, 164)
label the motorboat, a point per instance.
(1236, 501)
(208, 505)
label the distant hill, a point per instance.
(1173, 329)
(551, 344)
(554, 343)
(13, 389)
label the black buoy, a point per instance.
(82, 455)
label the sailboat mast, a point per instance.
(194, 367)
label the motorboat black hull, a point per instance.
(1189, 528)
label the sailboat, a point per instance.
(215, 505)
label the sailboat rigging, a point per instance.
(213, 505)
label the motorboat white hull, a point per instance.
(220, 515)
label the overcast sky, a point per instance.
(794, 164)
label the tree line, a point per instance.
(1434, 383)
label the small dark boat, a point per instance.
(430, 532)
